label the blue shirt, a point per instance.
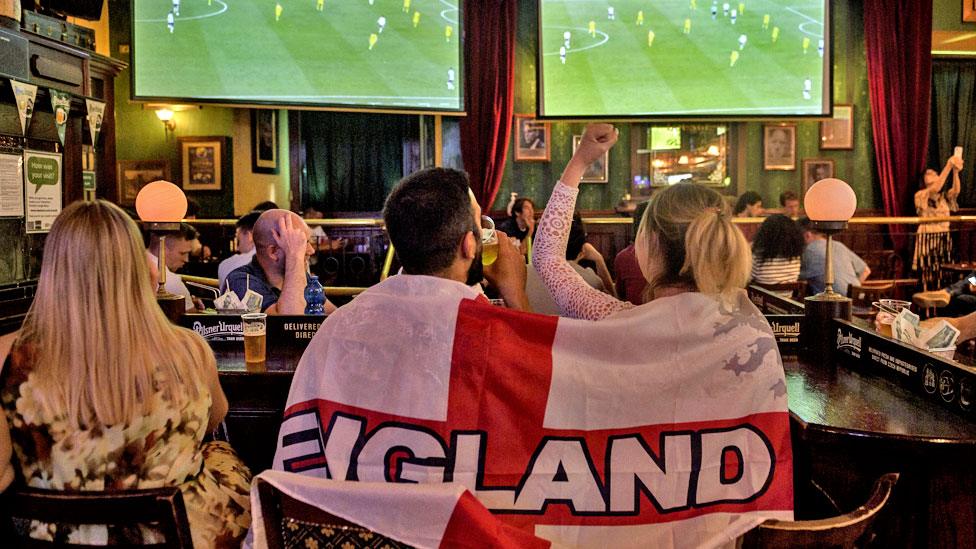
(237, 281)
(847, 266)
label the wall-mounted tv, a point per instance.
(363, 54)
(684, 58)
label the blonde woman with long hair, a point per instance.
(101, 392)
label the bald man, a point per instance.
(279, 269)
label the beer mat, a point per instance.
(947, 382)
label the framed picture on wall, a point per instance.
(264, 141)
(597, 172)
(838, 132)
(205, 162)
(135, 174)
(969, 11)
(779, 146)
(531, 139)
(815, 169)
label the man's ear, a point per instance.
(469, 246)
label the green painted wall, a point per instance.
(850, 87)
(947, 16)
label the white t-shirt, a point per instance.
(231, 263)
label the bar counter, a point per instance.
(848, 427)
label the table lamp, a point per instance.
(161, 205)
(829, 204)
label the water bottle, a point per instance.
(314, 297)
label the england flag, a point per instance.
(662, 426)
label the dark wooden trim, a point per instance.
(296, 159)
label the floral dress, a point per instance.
(162, 448)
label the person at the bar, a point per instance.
(244, 236)
(790, 204)
(521, 223)
(933, 243)
(279, 269)
(849, 268)
(776, 251)
(179, 246)
(101, 392)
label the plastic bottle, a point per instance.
(314, 297)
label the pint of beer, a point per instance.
(255, 337)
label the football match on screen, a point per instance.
(683, 57)
(366, 53)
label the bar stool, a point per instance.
(927, 302)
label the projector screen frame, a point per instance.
(300, 105)
(828, 90)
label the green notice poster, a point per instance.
(42, 189)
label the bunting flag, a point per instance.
(662, 426)
(96, 113)
(60, 105)
(25, 95)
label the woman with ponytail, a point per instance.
(687, 246)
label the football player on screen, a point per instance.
(176, 8)
(406, 6)
(562, 54)
(319, 5)
(372, 40)
(278, 10)
(448, 31)
(450, 79)
(170, 22)
(416, 19)
(640, 18)
(381, 22)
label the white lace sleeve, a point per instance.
(575, 298)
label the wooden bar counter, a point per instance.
(849, 428)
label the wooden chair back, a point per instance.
(163, 507)
(840, 531)
(863, 296)
(798, 288)
(289, 522)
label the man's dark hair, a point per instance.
(186, 232)
(787, 195)
(427, 215)
(248, 220)
(519, 204)
(748, 198)
(265, 206)
(806, 224)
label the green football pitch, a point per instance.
(619, 69)
(236, 50)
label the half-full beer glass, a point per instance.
(255, 336)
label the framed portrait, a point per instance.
(597, 172)
(205, 162)
(779, 146)
(264, 141)
(969, 11)
(531, 139)
(838, 132)
(135, 174)
(815, 169)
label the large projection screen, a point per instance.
(684, 58)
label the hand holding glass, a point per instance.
(489, 241)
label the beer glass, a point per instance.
(255, 337)
(489, 241)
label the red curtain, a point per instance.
(489, 83)
(898, 36)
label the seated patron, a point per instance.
(776, 251)
(848, 267)
(101, 392)
(278, 270)
(790, 204)
(179, 245)
(631, 283)
(322, 240)
(749, 204)
(244, 237)
(577, 250)
(521, 224)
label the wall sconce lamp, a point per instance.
(166, 116)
